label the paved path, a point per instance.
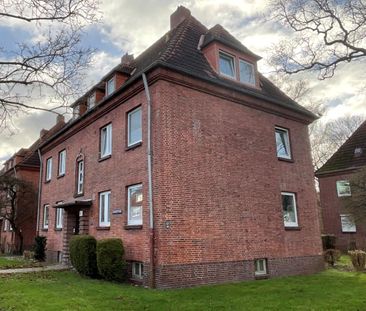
(35, 269)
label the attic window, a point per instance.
(358, 152)
(227, 65)
(76, 111)
(111, 86)
(91, 100)
(246, 72)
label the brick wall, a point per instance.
(331, 206)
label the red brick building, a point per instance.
(24, 165)
(334, 186)
(194, 159)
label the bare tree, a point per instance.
(326, 34)
(18, 200)
(51, 63)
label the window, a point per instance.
(48, 169)
(91, 100)
(104, 209)
(134, 127)
(76, 112)
(80, 177)
(343, 188)
(7, 226)
(289, 209)
(246, 72)
(227, 65)
(135, 205)
(106, 141)
(137, 270)
(111, 86)
(348, 223)
(283, 143)
(45, 216)
(59, 217)
(260, 267)
(62, 163)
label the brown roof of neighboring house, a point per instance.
(352, 154)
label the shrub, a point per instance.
(331, 256)
(352, 246)
(110, 260)
(83, 254)
(40, 248)
(358, 258)
(328, 241)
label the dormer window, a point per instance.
(76, 111)
(227, 65)
(246, 72)
(111, 86)
(91, 100)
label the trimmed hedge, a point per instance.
(111, 264)
(83, 254)
(39, 248)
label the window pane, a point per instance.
(102, 207)
(247, 73)
(110, 86)
(282, 143)
(227, 65)
(80, 176)
(135, 205)
(134, 127)
(343, 188)
(348, 223)
(62, 162)
(49, 169)
(289, 210)
(91, 101)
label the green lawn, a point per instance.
(330, 290)
(16, 262)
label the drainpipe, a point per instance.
(39, 188)
(150, 188)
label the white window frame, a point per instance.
(129, 191)
(80, 176)
(91, 101)
(338, 185)
(140, 268)
(287, 143)
(253, 72)
(257, 269)
(62, 162)
(46, 216)
(353, 228)
(76, 112)
(111, 81)
(129, 115)
(287, 223)
(105, 198)
(59, 217)
(7, 226)
(49, 169)
(106, 138)
(227, 55)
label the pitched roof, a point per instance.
(352, 154)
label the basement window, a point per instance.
(260, 267)
(348, 223)
(137, 270)
(343, 188)
(227, 65)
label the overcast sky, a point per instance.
(131, 26)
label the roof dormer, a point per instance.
(229, 57)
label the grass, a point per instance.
(16, 262)
(330, 290)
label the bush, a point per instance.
(40, 248)
(358, 258)
(331, 256)
(352, 246)
(83, 254)
(111, 264)
(328, 241)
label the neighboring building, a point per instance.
(231, 176)
(24, 165)
(334, 186)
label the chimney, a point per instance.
(42, 133)
(179, 16)
(60, 118)
(127, 59)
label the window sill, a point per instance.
(77, 195)
(103, 228)
(60, 176)
(133, 227)
(349, 232)
(104, 158)
(261, 276)
(47, 181)
(133, 146)
(292, 228)
(44, 229)
(58, 229)
(285, 160)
